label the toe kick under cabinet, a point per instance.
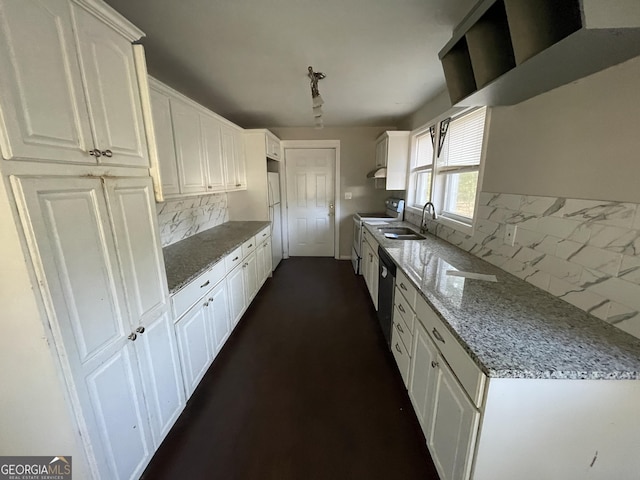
(209, 307)
(489, 428)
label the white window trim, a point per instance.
(463, 227)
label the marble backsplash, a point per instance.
(586, 252)
(182, 218)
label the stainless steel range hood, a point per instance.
(380, 172)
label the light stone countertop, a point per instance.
(188, 258)
(510, 328)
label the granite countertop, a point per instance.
(188, 258)
(510, 328)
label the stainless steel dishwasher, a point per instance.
(386, 284)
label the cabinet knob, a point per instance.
(399, 327)
(209, 187)
(403, 287)
(211, 299)
(238, 184)
(95, 153)
(401, 308)
(107, 153)
(235, 258)
(398, 349)
(132, 337)
(140, 330)
(434, 364)
(206, 304)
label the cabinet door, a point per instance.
(240, 160)
(268, 259)
(188, 138)
(422, 376)
(375, 277)
(250, 277)
(229, 158)
(237, 295)
(75, 260)
(193, 333)
(161, 111)
(133, 213)
(381, 152)
(43, 109)
(219, 316)
(260, 264)
(161, 375)
(212, 144)
(108, 67)
(454, 426)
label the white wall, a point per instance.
(357, 157)
(35, 418)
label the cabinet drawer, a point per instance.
(401, 356)
(263, 234)
(248, 246)
(182, 300)
(400, 328)
(406, 288)
(464, 368)
(233, 259)
(406, 311)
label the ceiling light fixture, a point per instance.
(316, 98)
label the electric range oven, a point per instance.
(393, 213)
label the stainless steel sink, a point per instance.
(400, 233)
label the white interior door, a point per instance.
(311, 201)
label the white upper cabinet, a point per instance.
(212, 146)
(273, 146)
(44, 114)
(233, 155)
(191, 167)
(112, 92)
(392, 151)
(163, 127)
(72, 92)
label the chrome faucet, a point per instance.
(429, 207)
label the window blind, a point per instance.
(424, 150)
(463, 147)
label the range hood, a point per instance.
(380, 172)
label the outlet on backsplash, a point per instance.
(510, 234)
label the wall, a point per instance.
(357, 157)
(564, 167)
(35, 417)
(179, 219)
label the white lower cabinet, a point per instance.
(195, 345)
(237, 295)
(161, 375)
(250, 277)
(119, 356)
(219, 317)
(422, 376)
(453, 426)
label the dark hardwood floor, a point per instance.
(305, 388)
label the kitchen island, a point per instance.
(507, 380)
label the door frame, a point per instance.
(310, 144)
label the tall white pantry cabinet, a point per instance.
(89, 359)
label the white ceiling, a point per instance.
(247, 59)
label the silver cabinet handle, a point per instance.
(95, 153)
(401, 308)
(107, 153)
(398, 349)
(205, 284)
(434, 364)
(140, 330)
(436, 334)
(403, 287)
(132, 337)
(399, 327)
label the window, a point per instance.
(450, 179)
